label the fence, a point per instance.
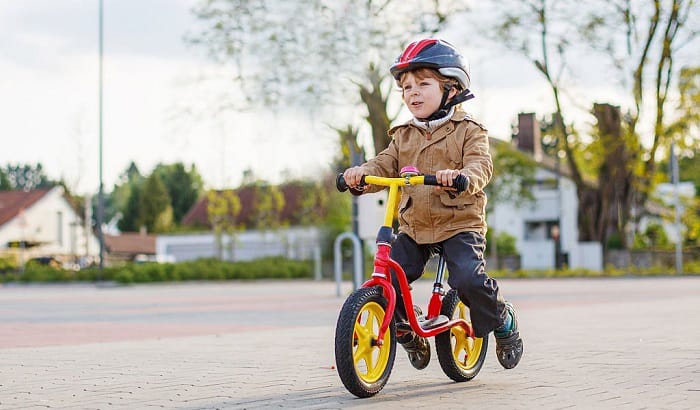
(292, 243)
(646, 258)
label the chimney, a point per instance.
(529, 135)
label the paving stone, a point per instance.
(589, 343)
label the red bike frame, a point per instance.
(383, 264)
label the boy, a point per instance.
(442, 139)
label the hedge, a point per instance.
(270, 268)
(202, 269)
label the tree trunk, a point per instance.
(376, 103)
(610, 214)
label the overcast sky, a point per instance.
(49, 97)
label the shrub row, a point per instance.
(689, 268)
(270, 268)
(202, 269)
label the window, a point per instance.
(539, 230)
(544, 184)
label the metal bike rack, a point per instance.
(357, 260)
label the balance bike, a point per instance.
(365, 334)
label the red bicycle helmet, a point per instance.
(432, 53)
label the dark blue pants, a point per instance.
(464, 256)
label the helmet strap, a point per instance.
(445, 107)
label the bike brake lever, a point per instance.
(342, 186)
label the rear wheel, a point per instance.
(363, 366)
(460, 356)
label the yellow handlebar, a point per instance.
(460, 184)
(393, 198)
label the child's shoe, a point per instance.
(402, 325)
(509, 345)
(418, 349)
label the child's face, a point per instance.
(422, 94)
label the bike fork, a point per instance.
(435, 304)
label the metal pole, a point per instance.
(677, 211)
(100, 195)
(338, 263)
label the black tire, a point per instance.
(364, 367)
(460, 357)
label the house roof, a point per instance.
(131, 243)
(14, 202)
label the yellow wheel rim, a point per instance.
(465, 349)
(370, 360)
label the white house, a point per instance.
(552, 216)
(547, 227)
(42, 223)
(538, 225)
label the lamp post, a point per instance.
(677, 210)
(100, 195)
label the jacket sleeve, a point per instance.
(478, 165)
(383, 165)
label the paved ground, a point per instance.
(597, 343)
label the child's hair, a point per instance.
(422, 73)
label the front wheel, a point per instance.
(363, 366)
(460, 356)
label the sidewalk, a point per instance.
(593, 343)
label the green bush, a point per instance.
(270, 268)
(7, 264)
(504, 243)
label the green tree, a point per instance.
(646, 41)
(131, 213)
(5, 184)
(512, 181)
(691, 222)
(338, 216)
(123, 201)
(223, 208)
(513, 176)
(312, 204)
(184, 186)
(686, 129)
(155, 212)
(269, 202)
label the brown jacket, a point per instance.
(426, 214)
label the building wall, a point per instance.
(531, 224)
(292, 243)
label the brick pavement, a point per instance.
(596, 343)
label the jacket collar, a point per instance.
(431, 126)
(457, 116)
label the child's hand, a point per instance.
(353, 177)
(446, 177)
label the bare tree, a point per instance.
(644, 39)
(545, 33)
(308, 54)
